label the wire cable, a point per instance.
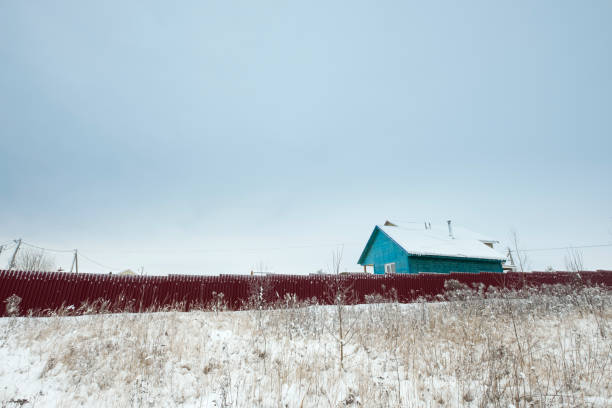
(70, 251)
(350, 244)
(96, 262)
(562, 248)
(168, 250)
(46, 249)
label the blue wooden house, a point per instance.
(395, 249)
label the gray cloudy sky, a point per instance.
(210, 137)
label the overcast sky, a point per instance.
(212, 137)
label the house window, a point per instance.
(390, 268)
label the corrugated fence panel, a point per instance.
(42, 292)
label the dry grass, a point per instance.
(505, 349)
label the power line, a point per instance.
(4, 248)
(47, 249)
(243, 249)
(72, 251)
(562, 248)
(98, 263)
(192, 250)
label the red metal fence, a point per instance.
(44, 291)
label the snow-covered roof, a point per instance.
(435, 241)
(442, 229)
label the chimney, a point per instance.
(450, 229)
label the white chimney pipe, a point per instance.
(450, 229)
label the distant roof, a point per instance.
(437, 242)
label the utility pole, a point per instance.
(75, 262)
(12, 263)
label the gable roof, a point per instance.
(442, 230)
(432, 242)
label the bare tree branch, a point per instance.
(520, 257)
(30, 259)
(574, 260)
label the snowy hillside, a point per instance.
(541, 350)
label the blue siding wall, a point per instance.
(436, 264)
(384, 250)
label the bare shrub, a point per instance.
(12, 305)
(341, 327)
(217, 303)
(455, 290)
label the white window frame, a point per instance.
(390, 268)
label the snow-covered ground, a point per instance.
(544, 350)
